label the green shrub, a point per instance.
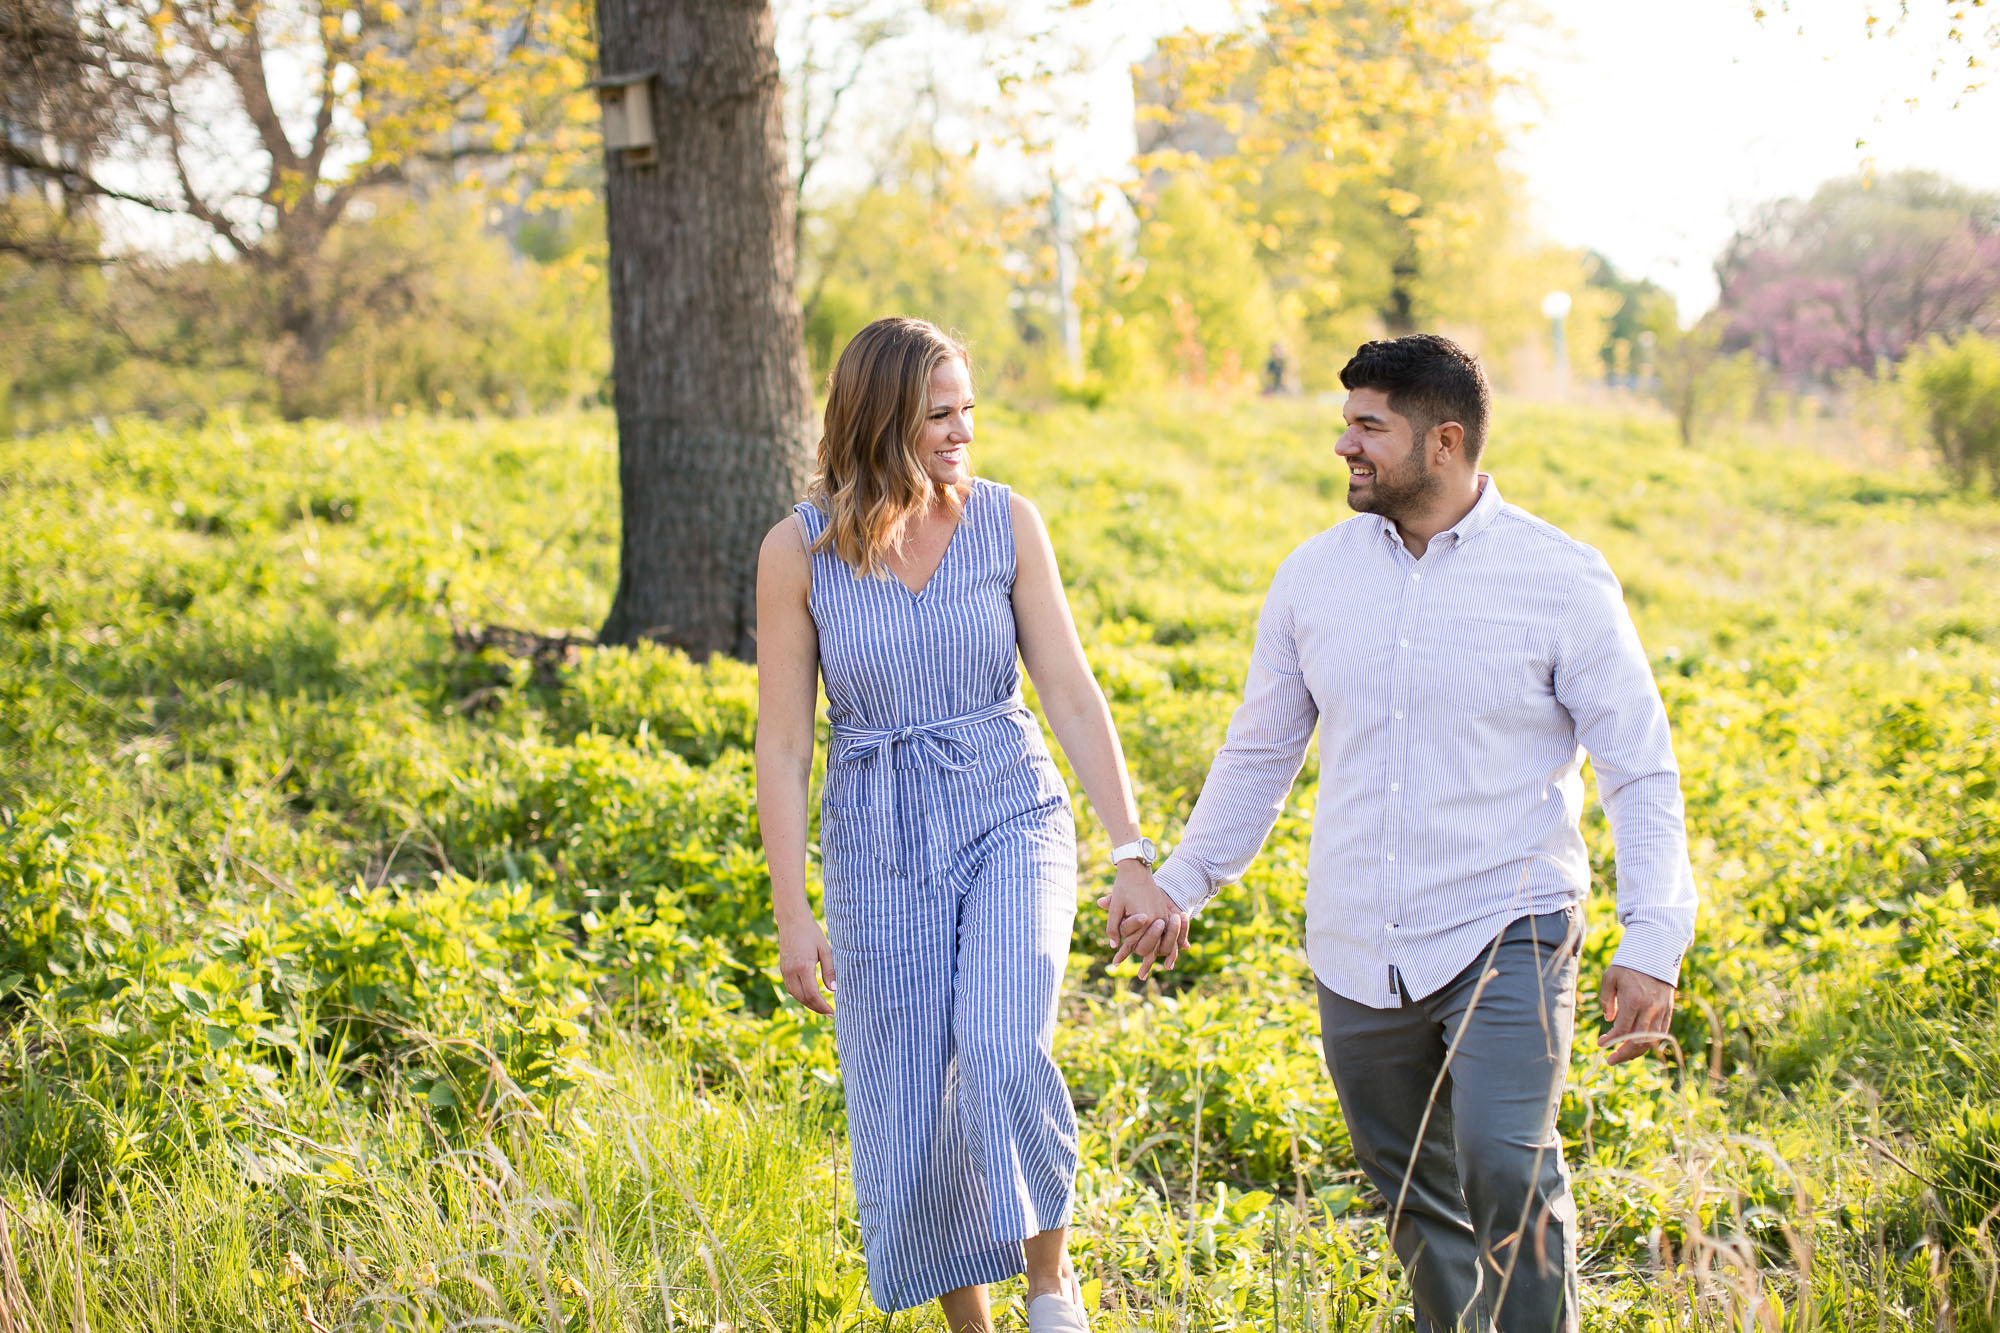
(1966, 1152)
(1953, 390)
(698, 712)
(52, 895)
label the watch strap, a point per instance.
(1141, 849)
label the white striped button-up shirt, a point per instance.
(1455, 698)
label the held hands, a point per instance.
(1142, 920)
(804, 958)
(1638, 1007)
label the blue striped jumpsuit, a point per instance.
(948, 860)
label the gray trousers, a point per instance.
(1480, 1208)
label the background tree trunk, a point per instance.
(714, 410)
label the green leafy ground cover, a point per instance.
(355, 976)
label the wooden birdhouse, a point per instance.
(627, 102)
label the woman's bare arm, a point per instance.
(1081, 721)
(787, 693)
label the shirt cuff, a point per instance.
(1653, 950)
(1183, 880)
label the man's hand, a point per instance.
(804, 959)
(1638, 1008)
(1142, 920)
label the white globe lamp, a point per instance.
(1555, 309)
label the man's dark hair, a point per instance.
(1429, 379)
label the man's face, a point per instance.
(1387, 471)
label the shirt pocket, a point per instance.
(1479, 666)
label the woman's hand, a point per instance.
(1142, 920)
(804, 959)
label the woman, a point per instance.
(948, 854)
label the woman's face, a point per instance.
(946, 442)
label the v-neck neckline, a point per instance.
(917, 594)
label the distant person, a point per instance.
(1458, 657)
(1276, 366)
(948, 853)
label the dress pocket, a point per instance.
(851, 840)
(870, 909)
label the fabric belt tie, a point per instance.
(933, 741)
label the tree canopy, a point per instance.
(1364, 136)
(256, 128)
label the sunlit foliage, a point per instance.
(356, 971)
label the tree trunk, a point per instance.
(1399, 311)
(708, 352)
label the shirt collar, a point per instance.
(1484, 510)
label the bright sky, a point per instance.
(1664, 124)
(1661, 125)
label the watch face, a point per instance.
(1148, 852)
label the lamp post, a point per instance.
(1555, 309)
(1072, 322)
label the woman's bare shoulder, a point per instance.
(1022, 512)
(784, 554)
(785, 536)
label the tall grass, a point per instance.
(645, 1202)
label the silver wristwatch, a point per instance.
(1142, 851)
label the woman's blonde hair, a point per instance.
(870, 478)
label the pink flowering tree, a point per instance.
(1858, 274)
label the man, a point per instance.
(1458, 656)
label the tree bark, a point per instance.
(1399, 310)
(708, 352)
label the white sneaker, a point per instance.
(1056, 1313)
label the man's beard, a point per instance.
(1395, 495)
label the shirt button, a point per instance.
(1392, 856)
(1403, 643)
(1417, 574)
(1390, 926)
(1395, 786)
(1399, 713)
